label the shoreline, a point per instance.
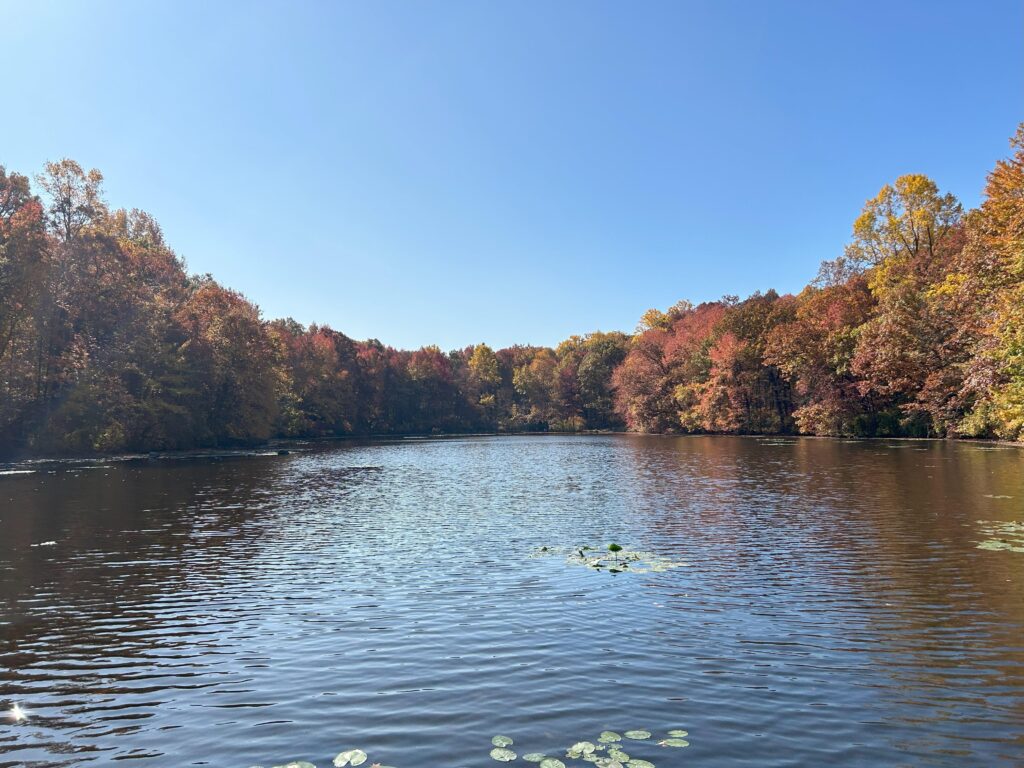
(286, 446)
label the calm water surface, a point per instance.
(834, 609)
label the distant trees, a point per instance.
(917, 329)
(813, 348)
(107, 344)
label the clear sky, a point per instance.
(454, 172)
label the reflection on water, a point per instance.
(835, 609)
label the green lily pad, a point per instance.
(1000, 545)
(674, 742)
(503, 755)
(551, 762)
(1003, 536)
(618, 754)
(351, 757)
(619, 561)
(679, 734)
(638, 735)
(634, 763)
(580, 748)
(534, 757)
(501, 741)
(608, 737)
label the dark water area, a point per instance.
(834, 608)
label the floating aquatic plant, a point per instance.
(580, 750)
(673, 743)
(618, 560)
(351, 757)
(1003, 536)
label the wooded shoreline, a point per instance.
(108, 345)
(297, 446)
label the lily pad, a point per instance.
(679, 734)
(1003, 536)
(618, 754)
(580, 748)
(634, 763)
(351, 757)
(608, 737)
(501, 741)
(638, 735)
(618, 561)
(1000, 545)
(674, 742)
(534, 757)
(551, 762)
(503, 755)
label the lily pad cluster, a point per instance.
(350, 757)
(501, 751)
(353, 757)
(609, 750)
(612, 559)
(1003, 536)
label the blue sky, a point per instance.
(454, 172)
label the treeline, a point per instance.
(108, 344)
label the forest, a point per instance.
(108, 344)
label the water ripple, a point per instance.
(835, 609)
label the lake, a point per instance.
(828, 604)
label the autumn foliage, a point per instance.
(108, 344)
